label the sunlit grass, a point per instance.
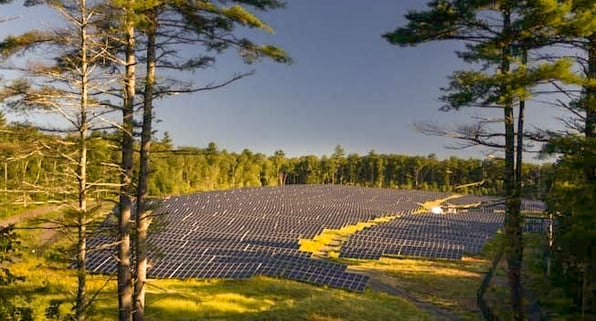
(270, 299)
(325, 240)
(48, 280)
(173, 306)
(259, 298)
(447, 284)
(9, 210)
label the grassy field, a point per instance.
(447, 284)
(259, 298)
(450, 285)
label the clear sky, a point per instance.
(347, 86)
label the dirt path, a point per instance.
(27, 215)
(48, 229)
(378, 282)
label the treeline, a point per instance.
(35, 171)
(192, 169)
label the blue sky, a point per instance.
(347, 86)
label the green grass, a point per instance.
(8, 210)
(262, 298)
(259, 298)
(447, 284)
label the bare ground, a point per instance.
(48, 230)
(28, 215)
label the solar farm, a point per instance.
(237, 234)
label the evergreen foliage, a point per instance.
(499, 37)
(9, 246)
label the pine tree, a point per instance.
(497, 35)
(573, 195)
(211, 26)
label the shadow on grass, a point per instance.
(263, 298)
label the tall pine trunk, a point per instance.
(125, 304)
(513, 246)
(143, 220)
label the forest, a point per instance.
(34, 172)
(101, 73)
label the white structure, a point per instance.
(437, 210)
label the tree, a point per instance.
(142, 216)
(495, 32)
(280, 167)
(204, 23)
(9, 246)
(574, 183)
(65, 87)
(125, 282)
(337, 163)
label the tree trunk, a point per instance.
(6, 182)
(517, 219)
(590, 107)
(589, 159)
(143, 220)
(81, 303)
(125, 303)
(53, 180)
(25, 170)
(513, 246)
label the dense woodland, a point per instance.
(34, 172)
(99, 76)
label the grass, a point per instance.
(9, 210)
(446, 284)
(262, 298)
(259, 298)
(324, 241)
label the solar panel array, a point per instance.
(444, 236)
(425, 235)
(255, 231)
